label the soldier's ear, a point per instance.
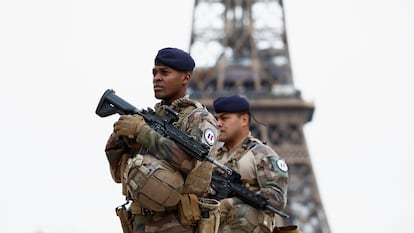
(245, 119)
(187, 77)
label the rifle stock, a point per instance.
(110, 104)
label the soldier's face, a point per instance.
(232, 127)
(169, 84)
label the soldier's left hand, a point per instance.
(226, 204)
(129, 126)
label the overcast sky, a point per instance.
(351, 58)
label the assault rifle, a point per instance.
(232, 186)
(110, 104)
(229, 183)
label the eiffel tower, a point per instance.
(241, 47)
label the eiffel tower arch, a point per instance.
(241, 47)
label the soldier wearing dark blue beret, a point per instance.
(261, 169)
(175, 175)
(175, 58)
(172, 72)
(234, 103)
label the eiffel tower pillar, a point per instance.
(241, 47)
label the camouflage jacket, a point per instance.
(194, 120)
(261, 169)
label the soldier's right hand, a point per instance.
(129, 126)
(131, 143)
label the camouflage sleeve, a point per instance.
(272, 176)
(114, 151)
(200, 125)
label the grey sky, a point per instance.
(351, 58)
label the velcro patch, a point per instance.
(209, 136)
(281, 164)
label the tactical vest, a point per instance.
(233, 162)
(154, 183)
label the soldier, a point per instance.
(261, 168)
(162, 181)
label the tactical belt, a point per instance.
(137, 209)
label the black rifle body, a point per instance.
(228, 183)
(231, 186)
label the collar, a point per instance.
(244, 143)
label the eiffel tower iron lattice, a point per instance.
(241, 47)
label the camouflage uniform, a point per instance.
(195, 121)
(261, 170)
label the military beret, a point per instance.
(234, 103)
(175, 58)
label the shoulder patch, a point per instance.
(209, 136)
(281, 164)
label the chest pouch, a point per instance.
(153, 183)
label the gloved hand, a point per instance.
(197, 182)
(132, 144)
(129, 126)
(225, 206)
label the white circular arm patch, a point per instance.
(209, 136)
(281, 164)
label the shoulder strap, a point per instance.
(185, 108)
